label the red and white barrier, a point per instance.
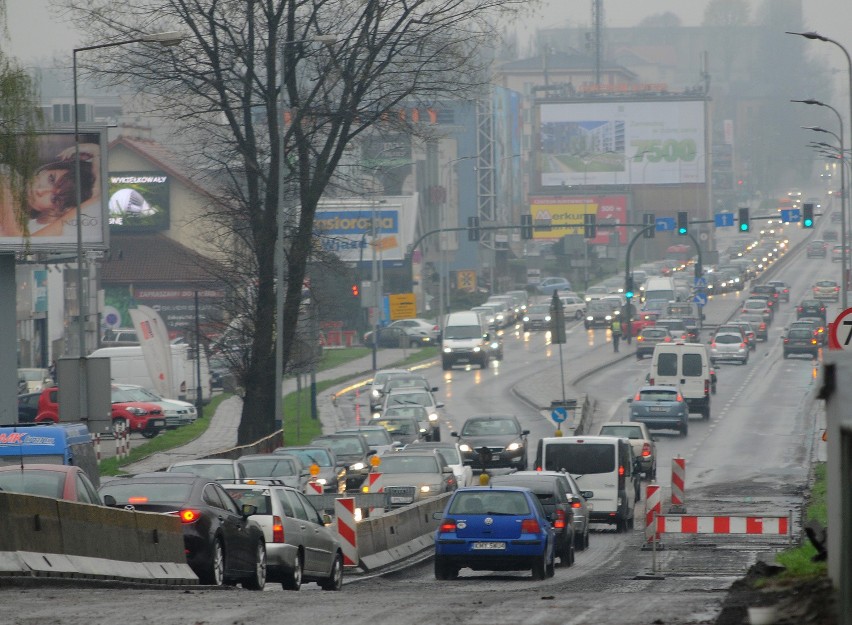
(653, 508)
(678, 481)
(126, 435)
(344, 524)
(730, 524)
(313, 488)
(374, 483)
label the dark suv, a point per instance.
(352, 452)
(801, 341)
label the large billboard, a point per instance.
(138, 201)
(566, 216)
(345, 228)
(47, 221)
(620, 143)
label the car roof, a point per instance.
(658, 387)
(29, 466)
(183, 463)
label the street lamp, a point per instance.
(170, 38)
(843, 237)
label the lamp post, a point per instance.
(170, 38)
(844, 299)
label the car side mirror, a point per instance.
(109, 500)
(372, 452)
(397, 445)
(524, 432)
(440, 404)
(248, 510)
(587, 494)
(438, 516)
(326, 519)
(434, 389)
(456, 434)
(629, 400)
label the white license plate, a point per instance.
(400, 499)
(495, 458)
(659, 409)
(156, 423)
(488, 545)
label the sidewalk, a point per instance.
(222, 432)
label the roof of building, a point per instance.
(562, 61)
(146, 258)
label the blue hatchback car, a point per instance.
(494, 529)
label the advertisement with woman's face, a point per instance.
(47, 219)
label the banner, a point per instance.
(567, 213)
(138, 201)
(154, 340)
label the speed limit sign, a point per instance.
(840, 331)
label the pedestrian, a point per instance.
(615, 328)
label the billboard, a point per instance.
(48, 219)
(566, 215)
(138, 201)
(345, 228)
(620, 143)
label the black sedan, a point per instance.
(810, 308)
(222, 545)
(394, 336)
(497, 440)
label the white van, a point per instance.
(659, 288)
(604, 465)
(686, 366)
(465, 338)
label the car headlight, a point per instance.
(447, 350)
(513, 447)
(547, 317)
(358, 466)
(590, 318)
(608, 317)
(375, 393)
(476, 349)
(526, 318)
(425, 488)
(134, 410)
(433, 416)
(376, 415)
(465, 447)
(322, 481)
(422, 430)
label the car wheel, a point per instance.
(335, 580)
(539, 568)
(566, 554)
(581, 541)
(745, 360)
(586, 540)
(630, 522)
(684, 429)
(483, 364)
(705, 412)
(446, 366)
(414, 343)
(293, 580)
(550, 569)
(578, 315)
(586, 325)
(150, 433)
(214, 575)
(257, 580)
(445, 570)
(620, 525)
(500, 355)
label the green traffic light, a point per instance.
(743, 227)
(682, 231)
(808, 223)
(629, 295)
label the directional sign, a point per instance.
(791, 215)
(665, 223)
(723, 219)
(840, 331)
(559, 415)
(700, 283)
(700, 299)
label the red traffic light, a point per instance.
(355, 290)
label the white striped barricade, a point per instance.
(678, 481)
(345, 526)
(653, 507)
(744, 524)
(313, 488)
(373, 484)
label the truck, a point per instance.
(49, 443)
(127, 366)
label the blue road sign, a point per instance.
(700, 283)
(559, 415)
(791, 215)
(665, 223)
(723, 219)
(700, 299)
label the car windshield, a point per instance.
(376, 436)
(450, 454)
(580, 459)
(139, 493)
(462, 332)
(217, 471)
(416, 412)
(253, 496)
(800, 333)
(490, 427)
(755, 304)
(342, 446)
(268, 467)
(658, 395)
(654, 333)
(728, 339)
(398, 426)
(405, 383)
(32, 375)
(417, 399)
(490, 502)
(829, 283)
(33, 482)
(539, 309)
(320, 457)
(134, 394)
(624, 431)
(409, 464)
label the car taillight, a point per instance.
(651, 381)
(640, 338)
(447, 527)
(706, 387)
(678, 398)
(742, 345)
(277, 530)
(621, 471)
(762, 326)
(798, 309)
(576, 504)
(530, 526)
(837, 288)
(559, 523)
(646, 450)
(668, 339)
(786, 340)
(188, 515)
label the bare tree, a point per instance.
(271, 110)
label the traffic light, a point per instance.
(473, 228)
(356, 292)
(682, 223)
(649, 219)
(590, 226)
(808, 215)
(744, 223)
(628, 288)
(526, 227)
(557, 320)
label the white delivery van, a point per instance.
(604, 465)
(686, 366)
(127, 366)
(659, 288)
(465, 338)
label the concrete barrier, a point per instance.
(44, 537)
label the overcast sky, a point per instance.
(37, 34)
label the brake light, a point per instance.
(786, 340)
(706, 387)
(668, 339)
(762, 325)
(742, 345)
(678, 398)
(620, 471)
(576, 504)
(640, 338)
(530, 526)
(448, 526)
(188, 515)
(559, 523)
(651, 381)
(135, 500)
(277, 530)
(646, 450)
(837, 288)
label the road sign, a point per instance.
(700, 282)
(723, 219)
(559, 415)
(791, 215)
(665, 224)
(402, 306)
(840, 331)
(700, 299)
